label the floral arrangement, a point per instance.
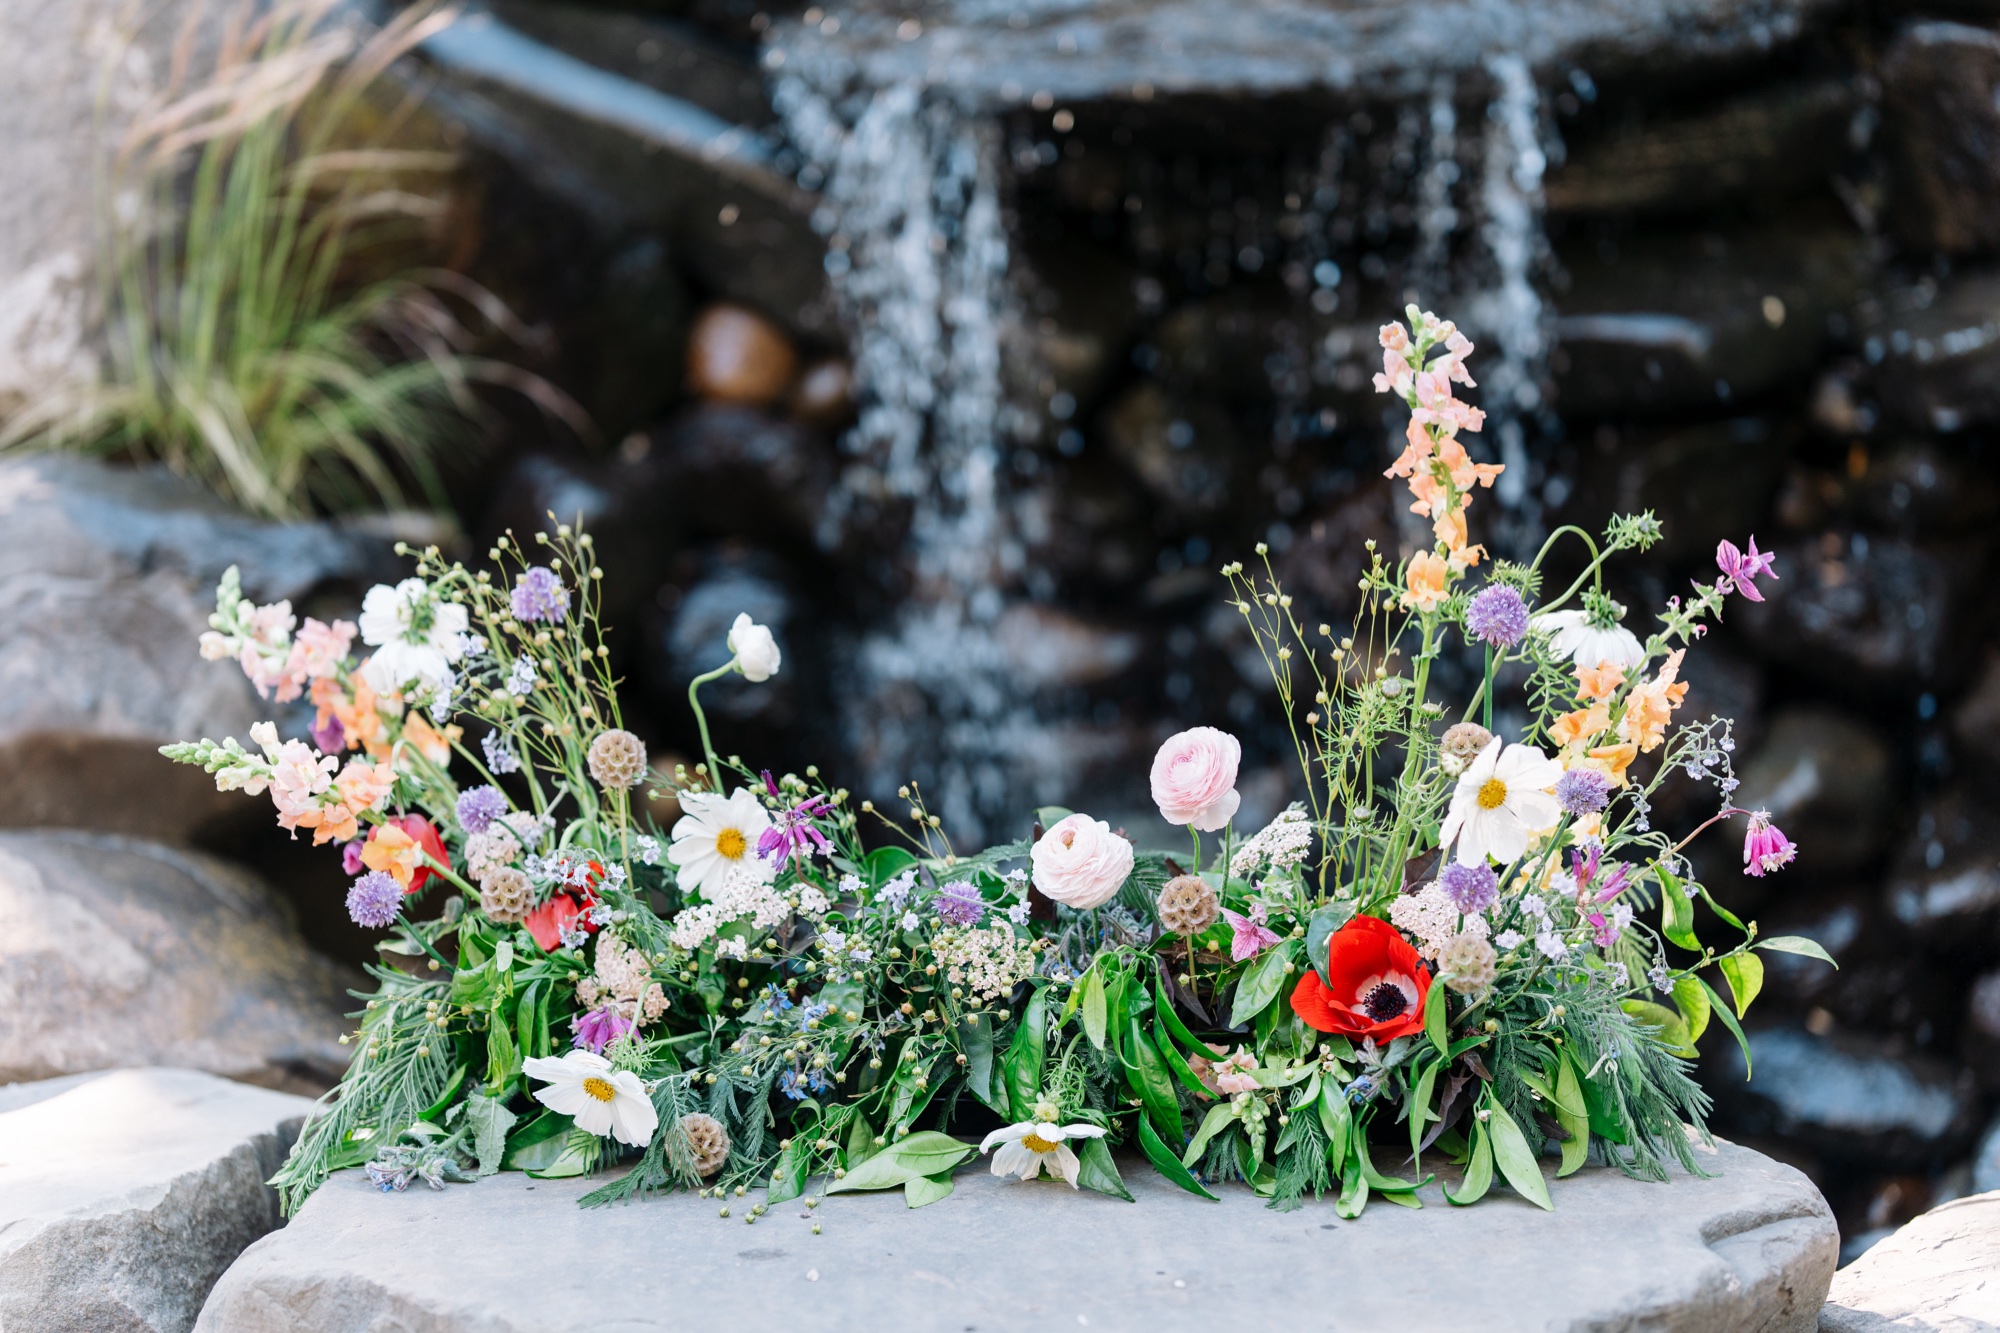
(1455, 947)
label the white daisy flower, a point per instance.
(416, 637)
(1590, 640)
(1501, 803)
(601, 1100)
(718, 834)
(1033, 1144)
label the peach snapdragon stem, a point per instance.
(701, 719)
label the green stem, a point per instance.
(417, 935)
(1486, 688)
(701, 718)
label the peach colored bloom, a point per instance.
(1450, 529)
(427, 740)
(298, 776)
(1433, 498)
(1581, 725)
(365, 786)
(1426, 579)
(1610, 760)
(392, 850)
(360, 720)
(1599, 682)
(1394, 337)
(1417, 448)
(318, 649)
(1650, 706)
(331, 823)
(1436, 406)
(1234, 1075)
(1465, 474)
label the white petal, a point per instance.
(595, 1117)
(633, 1119)
(1066, 1163)
(550, 1069)
(1007, 1134)
(1084, 1131)
(564, 1098)
(1472, 839)
(1505, 838)
(1537, 811)
(1482, 767)
(1013, 1159)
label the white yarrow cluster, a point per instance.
(741, 893)
(1432, 919)
(1285, 841)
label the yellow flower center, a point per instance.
(1037, 1144)
(599, 1088)
(730, 843)
(1492, 794)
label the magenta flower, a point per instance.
(599, 1028)
(1765, 846)
(793, 835)
(1251, 936)
(1741, 569)
(330, 737)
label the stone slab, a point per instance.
(124, 1195)
(1939, 1273)
(1751, 1248)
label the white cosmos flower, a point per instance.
(1033, 1144)
(1502, 802)
(756, 651)
(718, 834)
(416, 637)
(602, 1100)
(1574, 635)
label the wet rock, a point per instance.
(1885, 983)
(1079, 312)
(735, 471)
(1707, 482)
(1048, 648)
(1845, 1097)
(1917, 488)
(118, 952)
(825, 394)
(1182, 451)
(1975, 724)
(1859, 614)
(1773, 140)
(125, 1195)
(1945, 883)
(1942, 135)
(1934, 1273)
(107, 577)
(1752, 1246)
(689, 631)
(737, 356)
(1326, 557)
(1935, 347)
(1821, 774)
(1979, 1040)
(1671, 321)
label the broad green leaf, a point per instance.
(1420, 1113)
(927, 1153)
(503, 1059)
(1745, 972)
(1376, 1179)
(1604, 1121)
(1096, 1170)
(1722, 911)
(1673, 1029)
(1171, 1052)
(1735, 1028)
(1403, 1198)
(1515, 1158)
(860, 1143)
(1261, 983)
(1691, 996)
(1676, 911)
(1573, 1115)
(529, 1032)
(436, 1109)
(1320, 928)
(1178, 1029)
(979, 1066)
(490, 1120)
(578, 1155)
(1797, 944)
(1337, 1120)
(788, 1176)
(1093, 1007)
(1353, 1187)
(1434, 1018)
(1478, 1171)
(1165, 1162)
(885, 863)
(920, 1190)
(1152, 1080)
(1023, 1068)
(1220, 1117)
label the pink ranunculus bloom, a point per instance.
(298, 776)
(1194, 778)
(1765, 846)
(1080, 862)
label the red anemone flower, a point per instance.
(399, 845)
(1375, 984)
(554, 918)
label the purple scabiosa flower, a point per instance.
(375, 900)
(1765, 846)
(350, 857)
(599, 1028)
(479, 807)
(329, 737)
(1741, 569)
(539, 595)
(959, 904)
(1583, 791)
(1497, 617)
(1470, 888)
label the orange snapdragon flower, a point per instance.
(1581, 725)
(1650, 706)
(427, 740)
(1425, 580)
(1460, 554)
(1599, 682)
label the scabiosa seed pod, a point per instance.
(505, 895)
(1583, 791)
(617, 759)
(1462, 744)
(1497, 617)
(1466, 964)
(708, 1140)
(1187, 905)
(1470, 888)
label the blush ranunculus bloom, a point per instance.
(1194, 778)
(1376, 985)
(1080, 862)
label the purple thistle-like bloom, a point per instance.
(539, 595)
(1497, 617)
(793, 836)
(1742, 568)
(1470, 888)
(375, 900)
(479, 807)
(1765, 846)
(599, 1028)
(959, 904)
(331, 738)
(1583, 791)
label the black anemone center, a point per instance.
(1384, 1002)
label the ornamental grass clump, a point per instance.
(1464, 943)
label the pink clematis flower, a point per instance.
(1765, 846)
(1740, 569)
(1251, 936)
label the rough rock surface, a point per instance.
(107, 576)
(1940, 1273)
(123, 1196)
(1750, 1248)
(115, 952)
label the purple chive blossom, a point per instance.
(1765, 846)
(599, 1028)
(1470, 888)
(330, 737)
(350, 857)
(374, 900)
(539, 595)
(1741, 568)
(479, 807)
(1497, 617)
(1583, 791)
(959, 904)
